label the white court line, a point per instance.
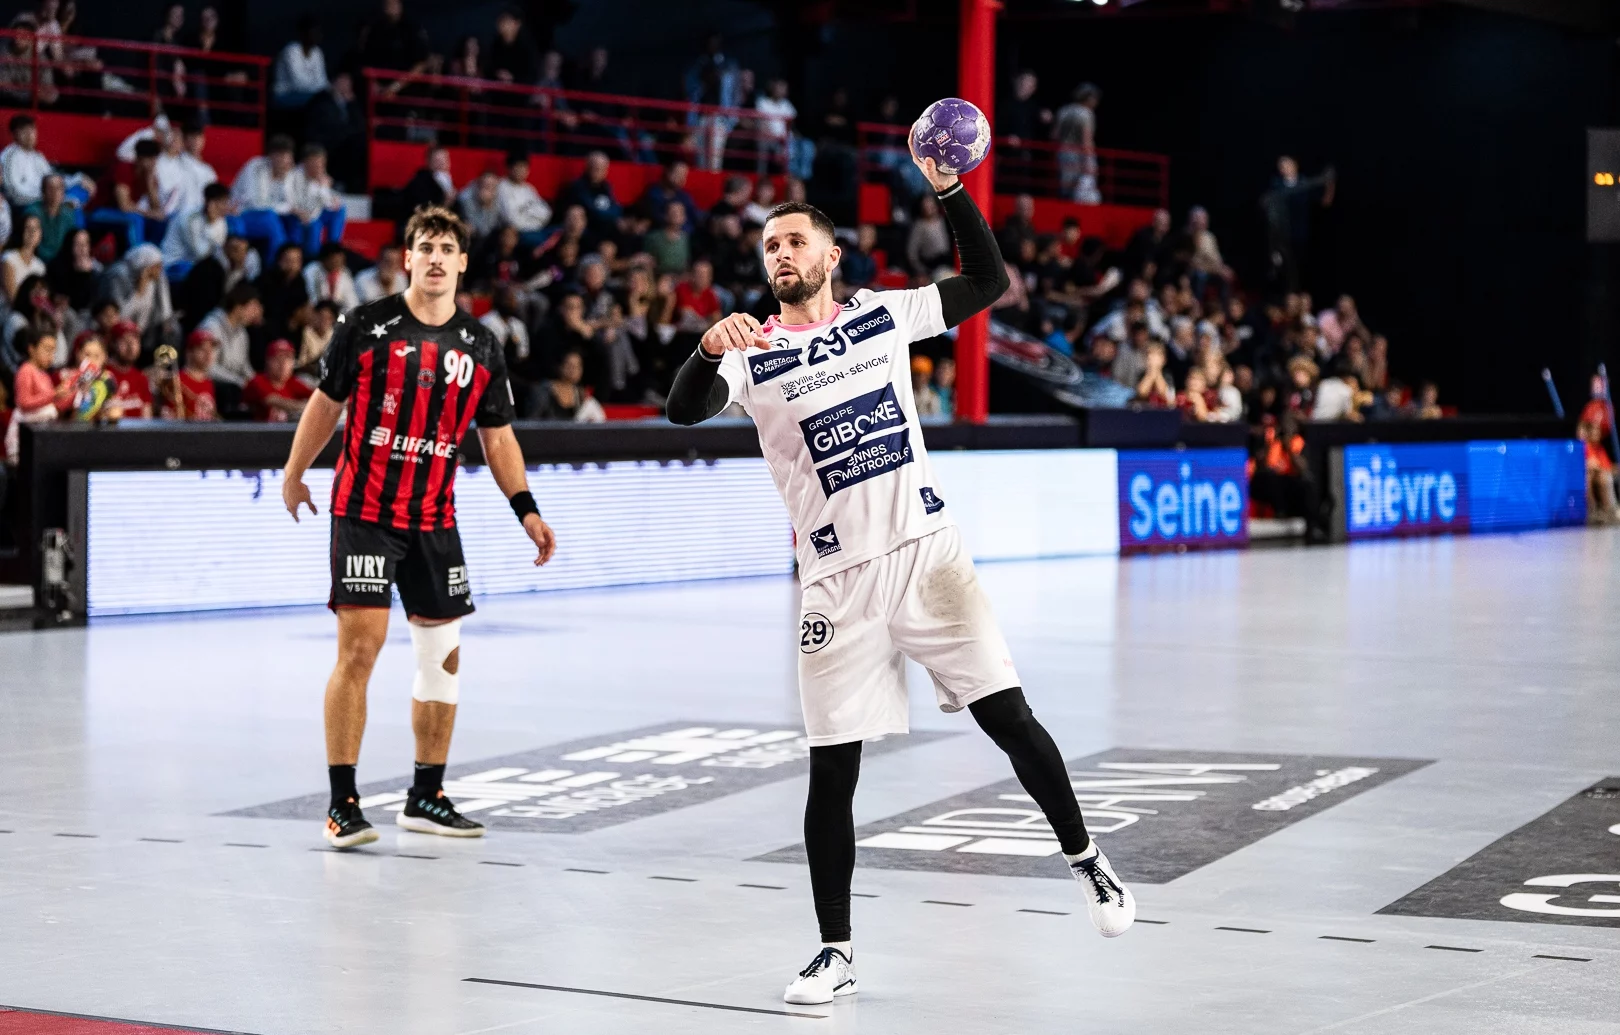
(1427, 998)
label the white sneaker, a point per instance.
(830, 974)
(1110, 903)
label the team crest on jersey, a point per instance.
(932, 504)
(875, 322)
(771, 364)
(835, 430)
(825, 540)
(425, 377)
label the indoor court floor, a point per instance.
(1372, 790)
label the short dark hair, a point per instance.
(818, 219)
(19, 121)
(329, 249)
(281, 142)
(289, 246)
(239, 296)
(193, 126)
(328, 305)
(312, 150)
(433, 220)
(215, 191)
(515, 156)
(148, 148)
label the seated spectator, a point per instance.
(276, 395)
(75, 275)
(563, 398)
(19, 263)
(36, 395)
(1301, 397)
(315, 336)
(671, 187)
(520, 205)
(182, 173)
(1153, 389)
(385, 278)
(157, 132)
(734, 197)
(1593, 428)
(697, 306)
(134, 202)
(478, 204)
(1428, 402)
(506, 322)
(198, 235)
(670, 245)
(32, 311)
(132, 392)
(858, 266)
(316, 202)
(188, 394)
(1147, 249)
(263, 195)
(594, 193)
(85, 383)
(928, 245)
(512, 54)
(431, 184)
(300, 71)
(945, 385)
(227, 327)
(1018, 227)
(759, 209)
(284, 295)
(23, 168)
(1194, 401)
(740, 268)
(1206, 263)
(138, 285)
(242, 263)
(328, 278)
(613, 355)
(336, 121)
(922, 387)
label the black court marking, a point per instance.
(1160, 923)
(1452, 948)
(162, 840)
(763, 887)
(242, 844)
(1342, 938)
(492, 862)
(940, 902)
(1571, 959)
(160, 1025)
(1160, 814)
(857, 894)
(602, 781)
(683, 880)
(1245, 930)
(1044, 912)
(408, 855)
(577, 869)
(1560, 868)
(86, 836)
(648, 998)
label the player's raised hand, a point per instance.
(738, 331)
(295, 494)
(930, 169)
(544, 538)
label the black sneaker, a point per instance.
(436, 815)
(346, 826)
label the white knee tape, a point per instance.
(435, 643)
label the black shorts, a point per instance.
(428, 567)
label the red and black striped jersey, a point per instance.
(412, 391)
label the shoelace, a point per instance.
(823, 960)
(1106, 889)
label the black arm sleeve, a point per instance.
(984, 273)
(699, 391)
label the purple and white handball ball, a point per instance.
(954, 133)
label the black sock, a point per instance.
(341, 778)
(829, 834)
(1036, 761)
(429, 780)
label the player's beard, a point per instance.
(802, 288)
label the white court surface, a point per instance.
(1402, 710)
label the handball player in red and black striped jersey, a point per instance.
(413, 372)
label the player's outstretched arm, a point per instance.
(315, 429)
(505, 459)
(984, 273)
(699, 391)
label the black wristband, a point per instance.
(523, 504)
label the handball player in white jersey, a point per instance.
(884, 572)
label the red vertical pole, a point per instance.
(976, 64)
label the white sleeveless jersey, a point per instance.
(838, 427)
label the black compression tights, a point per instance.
(829, 824)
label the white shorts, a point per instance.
(920, 601)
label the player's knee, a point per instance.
(1004, 715)
(438, 662)
(358, 650)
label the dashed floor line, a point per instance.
(493, 862)
(1245, 930)
(1452, 948)
(942, 902)
(1570, 959)
(242, 844)
(161, 840)
(764, 887)
(1342, 938)
(682, 880)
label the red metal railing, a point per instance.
(1035, 167)
(118, 77)
(495, 114)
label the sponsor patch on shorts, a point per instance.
(825, 540)
(932, 504)
(872, 458)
